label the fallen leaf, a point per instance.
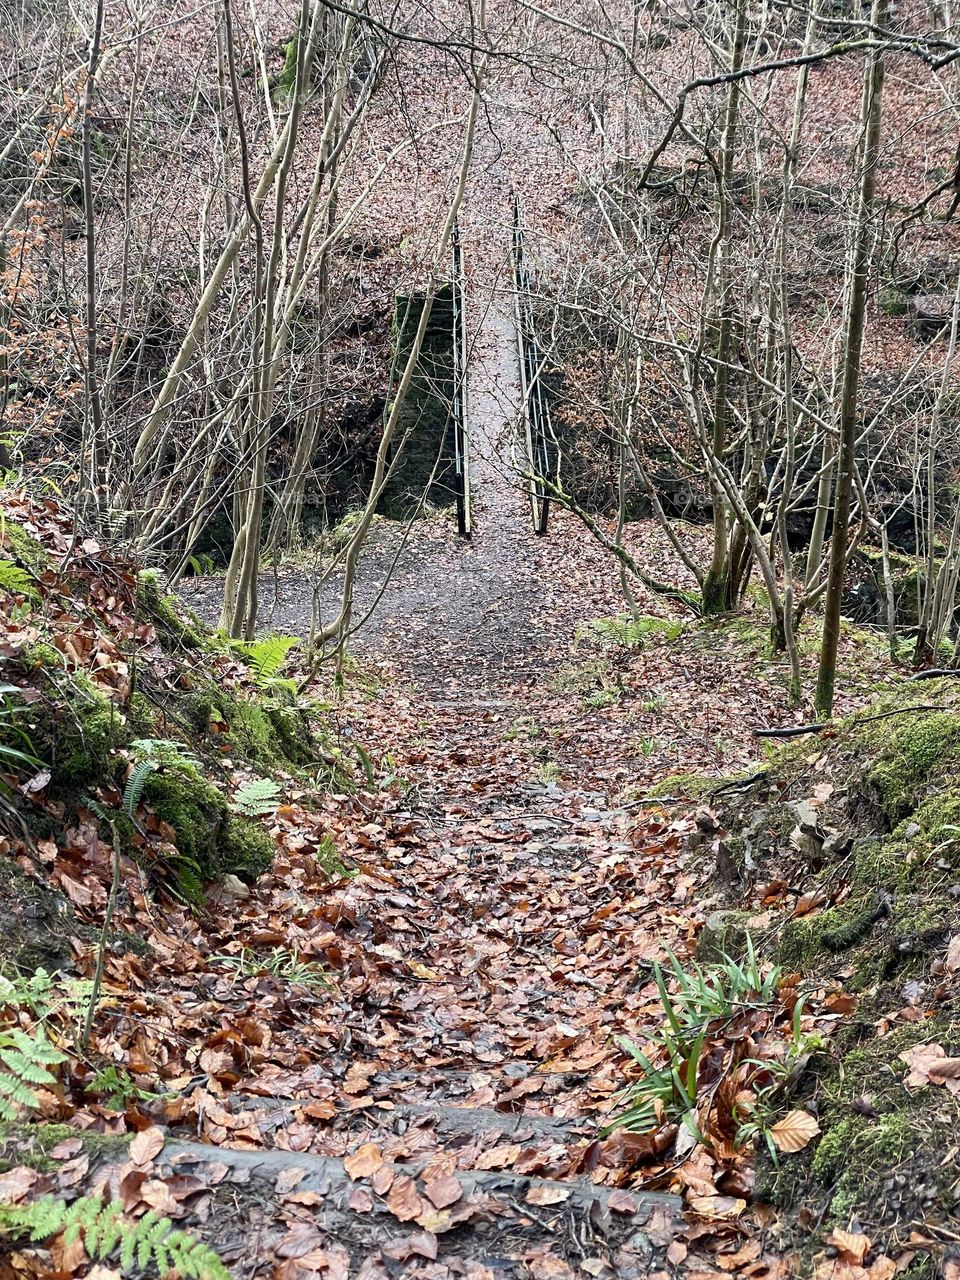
(544, 1194)
(498, 1157)
(794, 1131)
(852, 1246)
(364, 1162)
(421, 1243)
(404, 1200)
(360, 1200)
(15, 1183)
(442, 1191)
(717, 1207)
(621, 1202)
(929, 1064)
(147, 1145)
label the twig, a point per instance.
(102, 949)
(795, 731)
(933, 672)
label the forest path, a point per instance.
(460, 615)
(489, 947)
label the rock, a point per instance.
(930, 313)
(724, 934)
(232, 886)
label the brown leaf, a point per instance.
(549, 1267)
(840, 1002)
(807, 902)
(300, 1240)
(442, 1191)
(15, 1183)
(498, 1157)
(66, 1149)
(404, 1200)
(621, 1202)
(287, 1179)
(360, 1200)
(717, 1207)
(929, 1064)
(852, 1246)
(364, 1162)
(146, 1145)
(951, 961)
(421, 1243)
(545, 1194)
(794, 1131)
(158, 1195)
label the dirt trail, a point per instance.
(507, 912)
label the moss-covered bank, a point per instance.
(861, 823)
(136, 714)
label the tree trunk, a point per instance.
(860, 254)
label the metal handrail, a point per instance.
(541, 440)
(461, 440)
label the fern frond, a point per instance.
(16, 580)
(14, 1098)
(24, 1061)
(164, 751)
(151, 1242)
(257, 798)
(265, 657)
(632, 633)
(135, 784)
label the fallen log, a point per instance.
(509, 1215)
(443, 1118)
(328, 1176)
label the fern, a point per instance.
(265, 657)
(43, 995)
(150, 1242)
(633, 633)
(149, 755)
(257, 798)
(135, 784)
(16, 580)
(25, 1060)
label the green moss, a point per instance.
(209, 840)
(908, 751)
(182, 797)
(31, 1144)
(837, 929)
(40, 656)
(877, 862)
(860, 1159)
(272, 730)
(691, 785)
(893, 302)
(244, 848)
(76, 730)
(287, 79)
(175, 628)
(24, 548)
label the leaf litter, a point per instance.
(490, 942)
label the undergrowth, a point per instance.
(138, 1245)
